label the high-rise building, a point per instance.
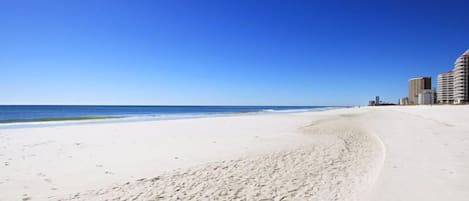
(445, 87)
(416, 86)
(426, 97)
(461, 79)
(403, 101)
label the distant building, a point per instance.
(416, 86)
(378, 102)
(426, 97)
(461, 79)
(445, 87)
(404, 101)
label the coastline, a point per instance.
(124, 117)
(56, 161)
(366, 153)
(58, 119)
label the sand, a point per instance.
(427, 152)
(381, 153)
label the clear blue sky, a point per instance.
(223, 52)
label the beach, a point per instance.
(367, 153)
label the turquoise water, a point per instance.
(43, 113)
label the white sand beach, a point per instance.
(382, 153)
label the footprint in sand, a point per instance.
(109, 172)
(48, 180)
(26, 197)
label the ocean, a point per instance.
(52, 113)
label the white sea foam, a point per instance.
(158, 117)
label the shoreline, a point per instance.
(57, 119)
(65, 121)
(61, 160)
(366, 153)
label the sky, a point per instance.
(237, 52)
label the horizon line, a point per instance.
(149, 105)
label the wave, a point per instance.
(57, 121)
(78, 118)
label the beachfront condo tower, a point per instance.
(416, 86)
(445, 88)
(461, 79)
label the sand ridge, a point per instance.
(341, 164)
